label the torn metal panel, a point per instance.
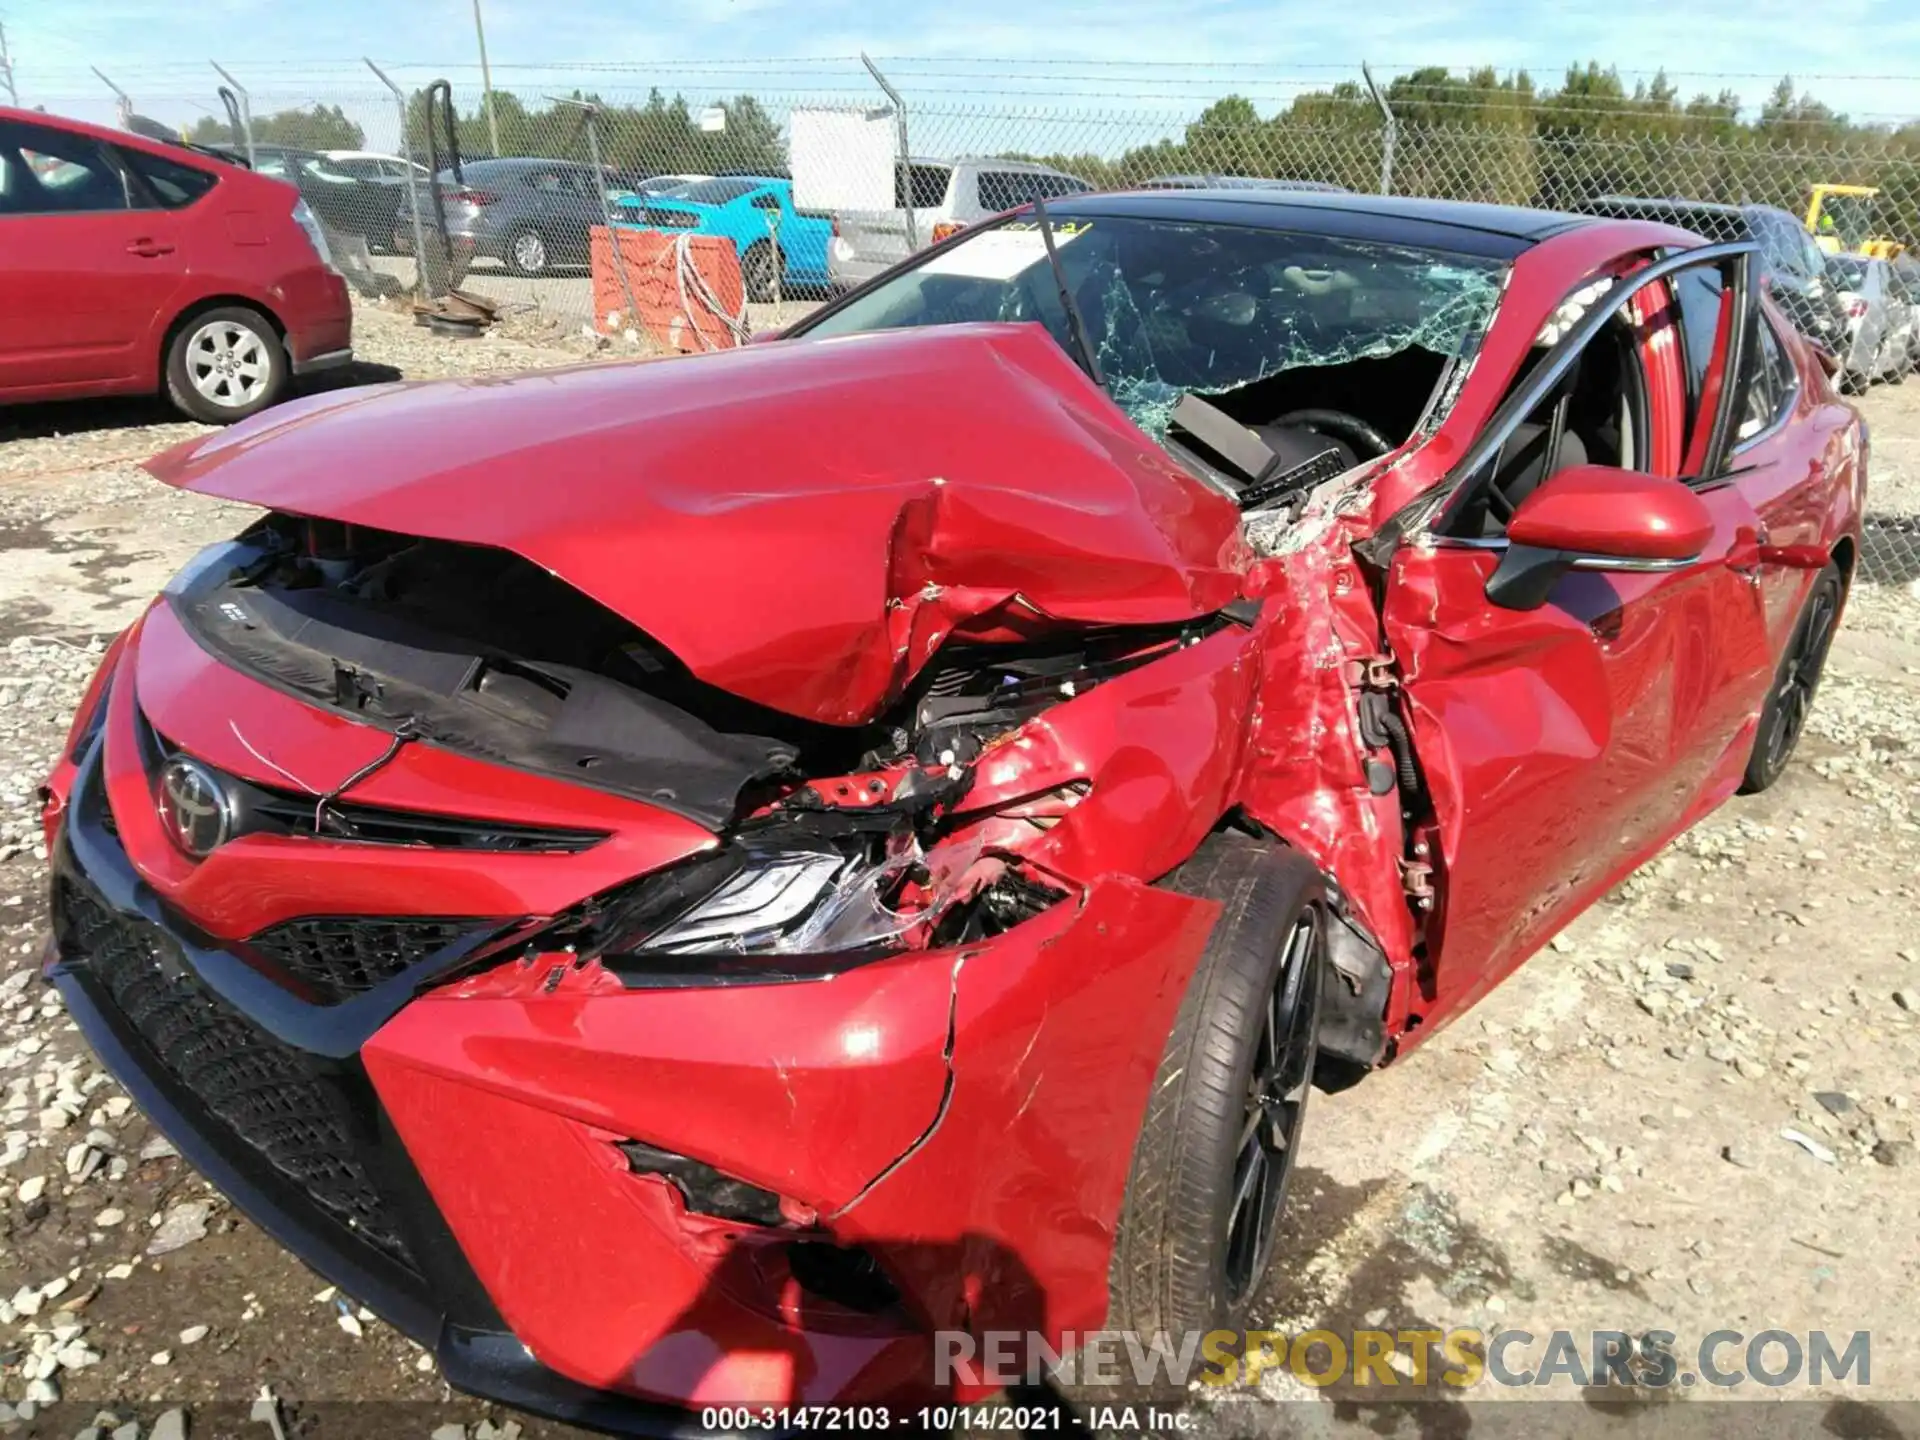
(1051, 1074)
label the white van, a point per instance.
(946, 195)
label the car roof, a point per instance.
(1500, 231)
(1235, 182)
(750, 180)
(521, 162)
(1663, 202)
(127, 139)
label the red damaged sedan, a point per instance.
(699, 882)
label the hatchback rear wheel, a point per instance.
(225, 365)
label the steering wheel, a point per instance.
(1365, 439)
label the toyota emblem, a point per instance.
(196, 809)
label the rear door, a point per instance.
(85, 273)
(1562, 745)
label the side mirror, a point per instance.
(762, 337)
(1594, 517)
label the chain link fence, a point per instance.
(547, 158)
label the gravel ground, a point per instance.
(1603, 1143)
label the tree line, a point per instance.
(1504, 139)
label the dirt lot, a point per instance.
(1601, 1144)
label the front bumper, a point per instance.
(965, 1119)
(408, 1268)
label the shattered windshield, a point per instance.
(1173, 307)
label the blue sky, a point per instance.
(1087, 54)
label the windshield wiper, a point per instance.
(1074, 325)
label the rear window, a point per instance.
(173, 185)
(923, 187)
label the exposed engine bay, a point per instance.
(837, 838)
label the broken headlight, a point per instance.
(786, 902)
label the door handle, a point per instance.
(1748, 550)
(149, 249)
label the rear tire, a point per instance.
(226, 364)
(1200, 1221)
(527, 255)
(1783, 719)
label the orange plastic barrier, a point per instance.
(676, 321)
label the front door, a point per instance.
(1562, 745)
(82, 273)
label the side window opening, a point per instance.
(1596, 415)
(175, 186)
(924, 187)
(49, 172)
(1770, 384)
(1004, 189)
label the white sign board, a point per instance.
(843, 159)
(713, 119)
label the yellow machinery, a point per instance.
(1840, 219)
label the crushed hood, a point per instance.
(803, 524)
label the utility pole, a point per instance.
(6, 67)
(486, 80)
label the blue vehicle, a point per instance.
(756, 212)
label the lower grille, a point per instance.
(272, 1097)
(339, 956)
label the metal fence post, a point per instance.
(905, 177)
(124, 101)
(606, 204)
(6, 69)
(246, 108)
(1388, 136)
(413, 178)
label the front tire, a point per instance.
(1200, 1222)
(226, 364)
(1784, 717)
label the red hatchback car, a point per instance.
(128, 267)
(727, 881)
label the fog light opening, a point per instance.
(845, 1275)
